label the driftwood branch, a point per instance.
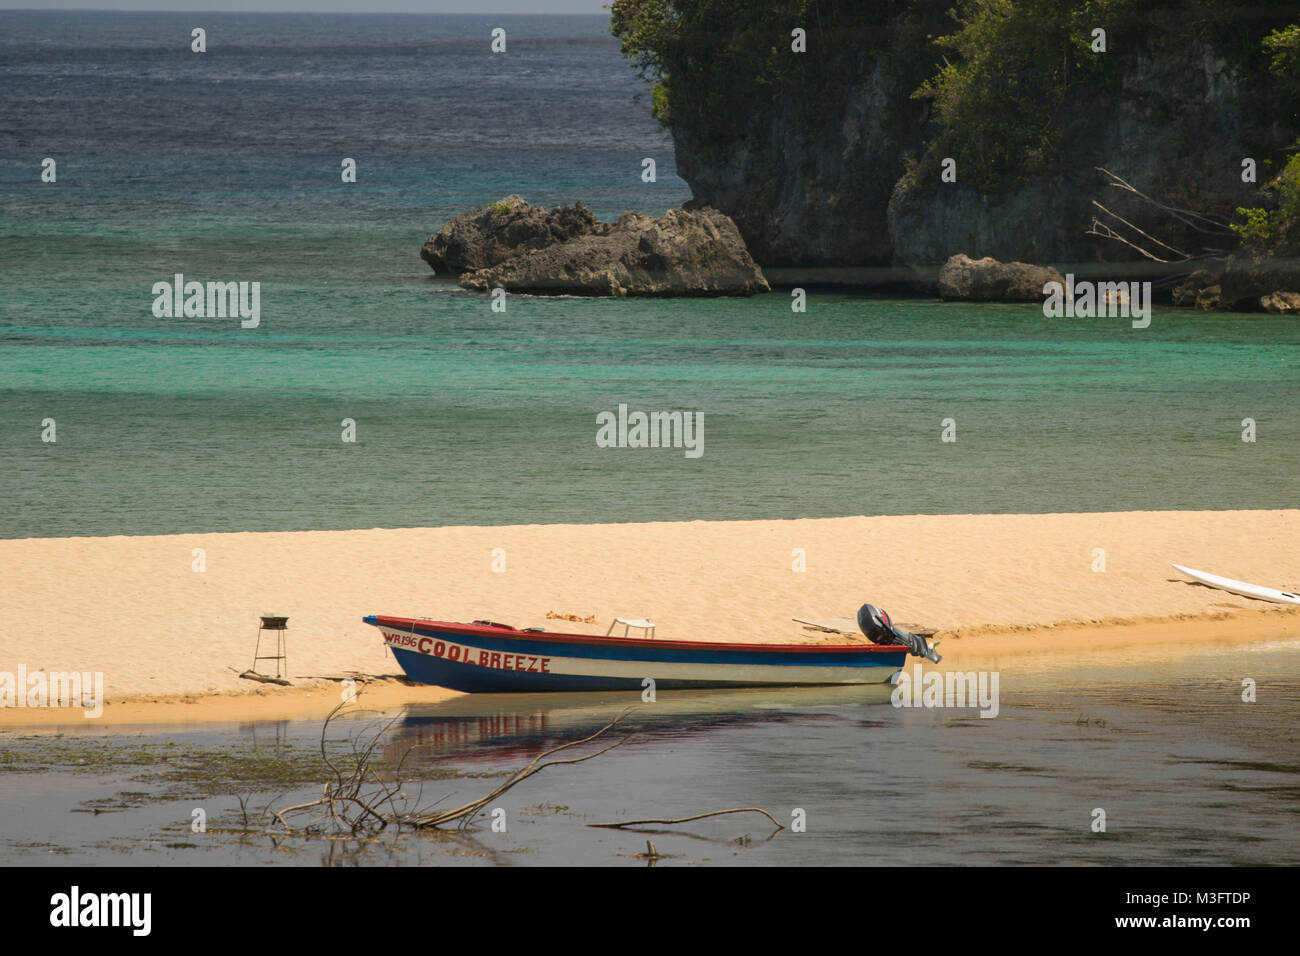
(359, 804)
(1143, 242)
(352, 800)
(466, 813)
(1099, 228)
(358, 800)
(1188, 217)
(699, 816)
(1145, 235)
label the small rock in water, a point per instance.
(1281, 303)
(987, 280)
(519, 247)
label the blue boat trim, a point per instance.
(472, 679)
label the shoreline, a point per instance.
(1050, 647)
(170, 638)
(306, 700)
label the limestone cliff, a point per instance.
(831, 157)
(1177, 128)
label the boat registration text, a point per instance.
(468, 655)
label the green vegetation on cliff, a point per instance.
(1284, 48)
(833, 156)
(1009, 81)
(1010, 73)
(1277, 229)
(1022, 79)
(712, 63)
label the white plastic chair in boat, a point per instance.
(631, 622)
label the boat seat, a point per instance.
(631, 622)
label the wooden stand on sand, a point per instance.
(270, 622)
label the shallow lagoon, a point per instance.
(1186, 772)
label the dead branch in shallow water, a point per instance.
(651, 853)
(698, 816)
(359, 802)
(350, 801)
(466, 813)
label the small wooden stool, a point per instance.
(281, 657)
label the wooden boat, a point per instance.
(486, 657)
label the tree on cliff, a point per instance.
(833, 156)
(715, 60)
(1275, 226)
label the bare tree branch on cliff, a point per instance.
(1119, 229)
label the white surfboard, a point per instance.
(1240, 587)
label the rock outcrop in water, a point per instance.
(519, 247)
(1281, 303)
(1244, 283)
(1248, 280)
(499, 230)
(1200, 290)
(987, 280)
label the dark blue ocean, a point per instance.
(225, 166)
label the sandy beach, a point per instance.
(171, 638)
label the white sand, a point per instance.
(133, 608)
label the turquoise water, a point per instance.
(225, 167)
(468, 416)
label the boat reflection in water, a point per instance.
(498, 727)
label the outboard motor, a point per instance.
(879, 629)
